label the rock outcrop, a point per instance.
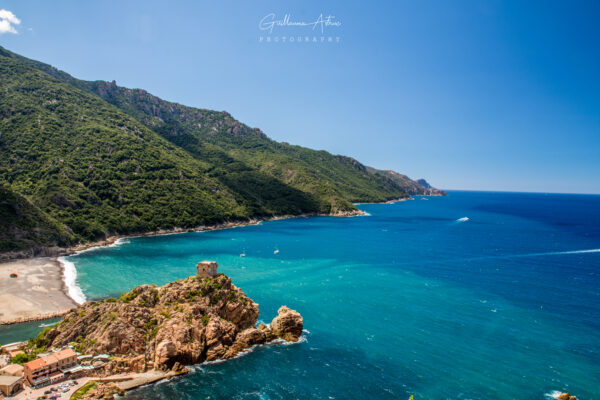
(429, 190)
(566, 396)
(287, 324)
(184, 322)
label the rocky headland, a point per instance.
(201, 318)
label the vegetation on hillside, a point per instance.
(335, 181)
(25, 226)
(81, 160)
(95, 169)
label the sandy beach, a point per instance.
(36, 293)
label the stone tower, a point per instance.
(206, 269)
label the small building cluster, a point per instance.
(51, 368)
(46, 369)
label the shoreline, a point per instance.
(69, 293)
(33, 318)
(112, 240)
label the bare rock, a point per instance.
(566, 396)
(138, 364)
(287, 325)
(183, 322)
(164, 352)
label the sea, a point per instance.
(478, 295)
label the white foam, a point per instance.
(463, 219)
(553, 394)
(120, 242)
(301, 339)
(70, 279)
(116, 243)
(238, 355)
(260, 321)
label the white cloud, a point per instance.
(8, 20)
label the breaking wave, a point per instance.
(70, 279)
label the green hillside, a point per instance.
(24, 226)
(94, 168)
(333, 179)
(99, 159)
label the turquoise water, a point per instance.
(413, 299)
(20, 332)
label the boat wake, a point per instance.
(557, 253)
(552, 253)
(70, 279)
(47, 325)
(463, 219)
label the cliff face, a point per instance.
(183, 322)
(420, 187)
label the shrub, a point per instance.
(205, 319)
(165, 314)
(85, 389)
(150, 324)
(21, 358)
(127, 297)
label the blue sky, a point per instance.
(468, 94)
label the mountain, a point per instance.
(424, 183)
(97, 159)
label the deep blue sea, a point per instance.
(478, 295)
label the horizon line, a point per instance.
(518, 191)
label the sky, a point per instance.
(476, 95)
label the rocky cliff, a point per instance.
(420, 187)
(184, 322)
(430, 190)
